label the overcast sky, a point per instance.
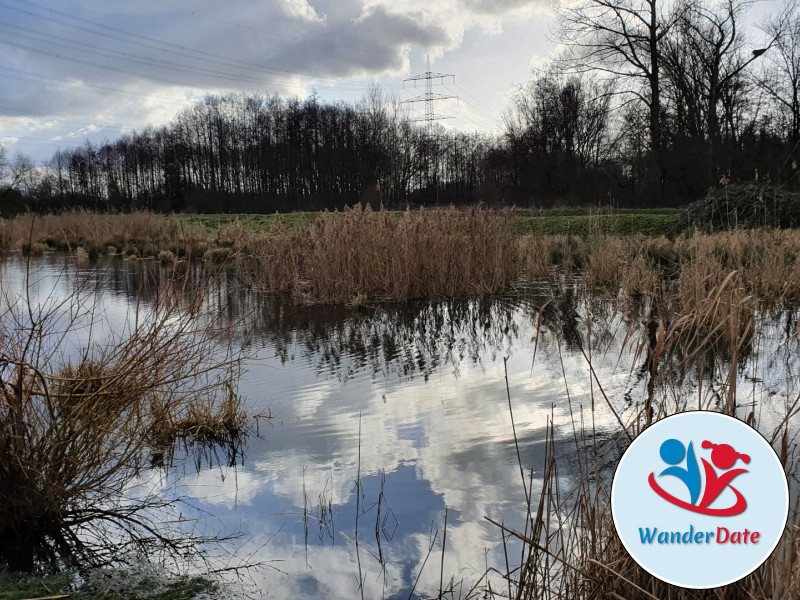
(72, 70)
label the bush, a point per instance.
(746, 206)
(74, 434)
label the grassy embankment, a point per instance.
(103, 586)
(574, 221)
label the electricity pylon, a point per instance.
(431, 142)
(429, 97)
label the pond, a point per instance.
(383, 429)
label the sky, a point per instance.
(77, 70)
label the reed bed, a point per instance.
(570, 549)
(442, 253)
(138, 233)
(379, 255)
(383, 255)
(706, 318)
(360, 253)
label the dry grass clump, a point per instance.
(217, 256)
(421, 254)
(140, 233)
(271, 261)
(203, 422)
(75, 426)
(569, 252)
(535, 256)
(766, 259)
(381, 255)
(34, 249)
(640, 278)
(166, 257)
(606, 262)
(767, 263)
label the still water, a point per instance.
(381, 422)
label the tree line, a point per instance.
(647, 103)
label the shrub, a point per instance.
(745, 206)
(217, 255)
(74, 434)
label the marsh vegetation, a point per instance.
(351, 319)
(83, 408)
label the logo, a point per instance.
(723, 457)
(700, 500)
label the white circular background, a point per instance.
(635, 505)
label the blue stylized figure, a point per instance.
(672, 452)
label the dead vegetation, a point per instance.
(439, 253)
(139, 233)
(570, 549)
(79, 423)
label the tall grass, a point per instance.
(767, 263)
(364, 255)
(138, 233)
(383, 256)
(442, 253)
(339, 257)
(570, 549)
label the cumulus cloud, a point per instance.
(501, 7)
(301, 9)
(100, 64)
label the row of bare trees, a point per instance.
(255, 153)
(647, 102)
(712, 98)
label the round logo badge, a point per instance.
(700, 500)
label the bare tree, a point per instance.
(780, 77)
(624, 39)
(17, 173)
(556, 129)
(552, 116)
(705, 61)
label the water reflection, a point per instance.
(392, 415)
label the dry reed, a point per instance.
(377, 255)
(570, 549)
(139, 233)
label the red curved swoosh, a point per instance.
(737, 508)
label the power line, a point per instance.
(476, 113)
(297, 39)
(112, 54)
(177, 49)
(486, 106)
(21, 75)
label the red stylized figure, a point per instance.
(724, 457)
